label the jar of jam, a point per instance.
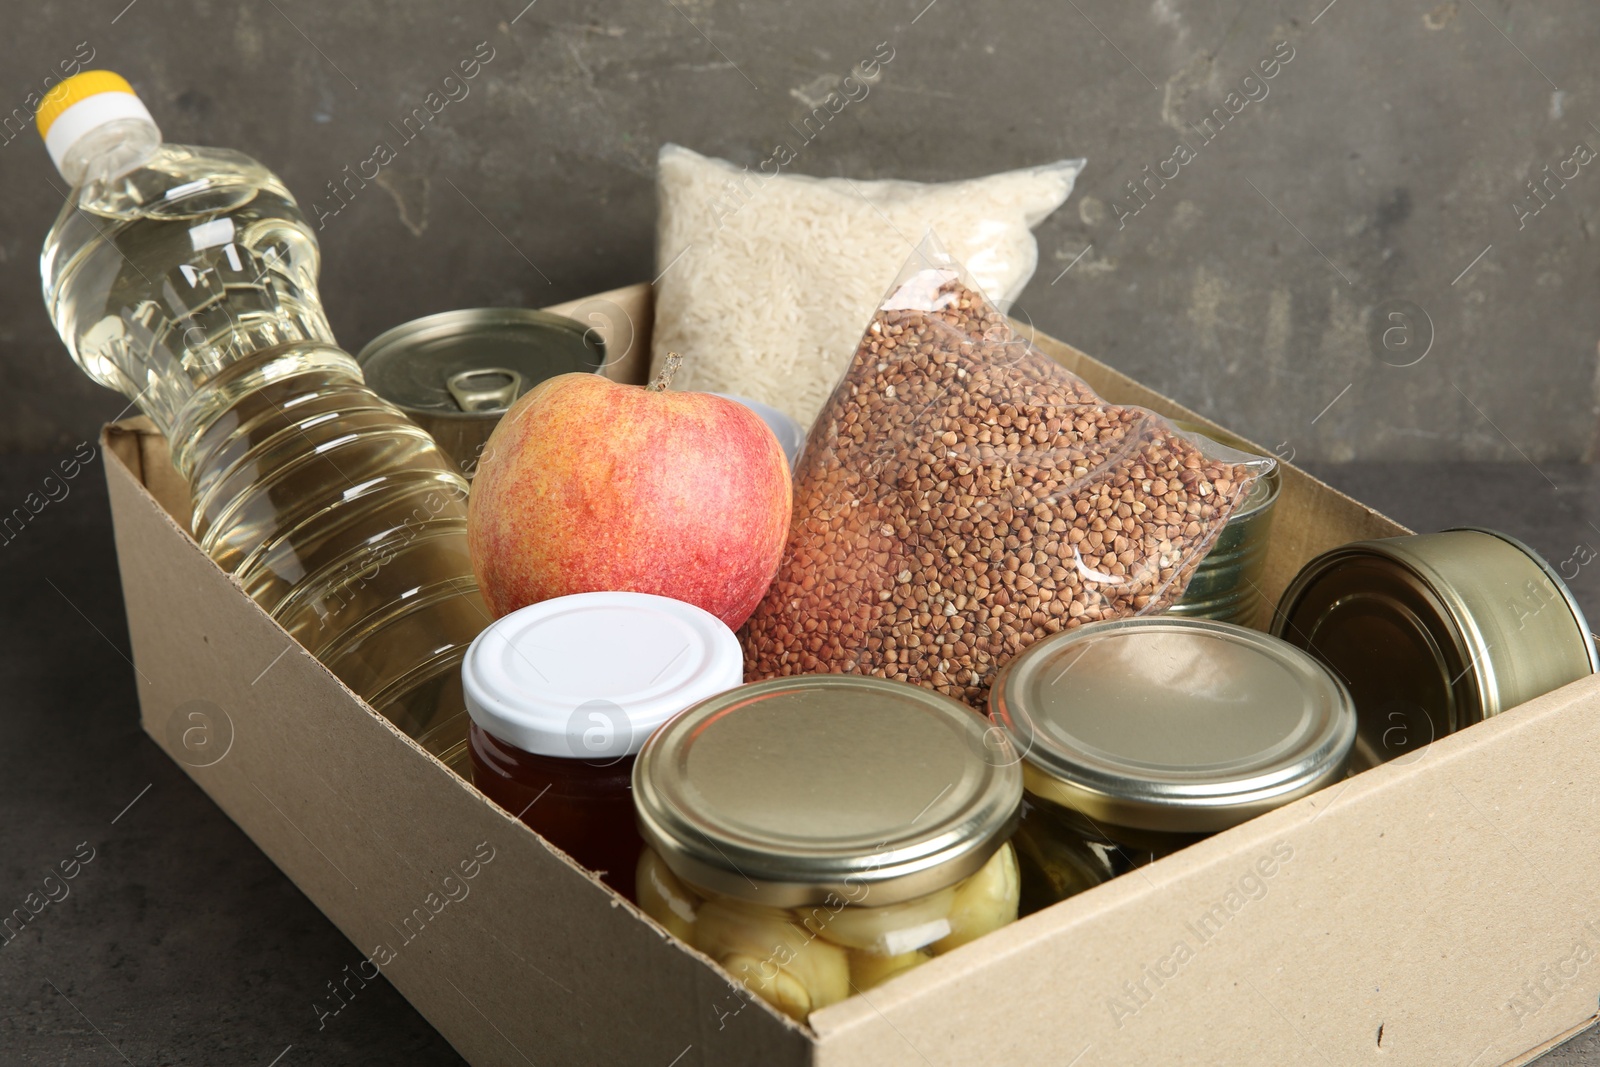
(818, 834)
(1143, 735)
(563, 694)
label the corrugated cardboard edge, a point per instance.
(1553, 1044)
(622, 318)
(1022, 995)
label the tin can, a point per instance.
(1226, 583)
(456, 373)
(1435, 632)
(1142, 735)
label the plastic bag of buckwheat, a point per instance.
(963, 495)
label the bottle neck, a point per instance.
(109, 151)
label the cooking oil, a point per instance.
(186, 279)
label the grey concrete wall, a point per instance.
(1380, 175)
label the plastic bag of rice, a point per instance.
(766, 279)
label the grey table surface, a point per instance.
(181, 943)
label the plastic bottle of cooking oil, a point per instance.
(186, 278)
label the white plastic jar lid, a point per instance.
(592, 675)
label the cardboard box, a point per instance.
(1440, 909)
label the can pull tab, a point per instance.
(484, 389)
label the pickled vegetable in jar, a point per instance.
(562, 696)
(817, 835)
(1062, 852)
(1141, 736)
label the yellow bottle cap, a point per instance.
(78, 87)
(94, 113)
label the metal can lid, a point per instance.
(786, 791)
(589, 676)
(1434, 632)
(476, 360)
(1183, 725)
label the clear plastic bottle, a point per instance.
(186, 279)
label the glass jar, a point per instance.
(563, 694)
(1141, 736)
(818, 834)
(1061, 852)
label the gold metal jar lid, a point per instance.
(1179, 725)
(1434, 632)
(785, 791)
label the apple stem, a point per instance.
(669, 367)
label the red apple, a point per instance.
(588, 485)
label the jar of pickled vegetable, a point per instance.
(1143, 735)
(563, 694)
(818, 834)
